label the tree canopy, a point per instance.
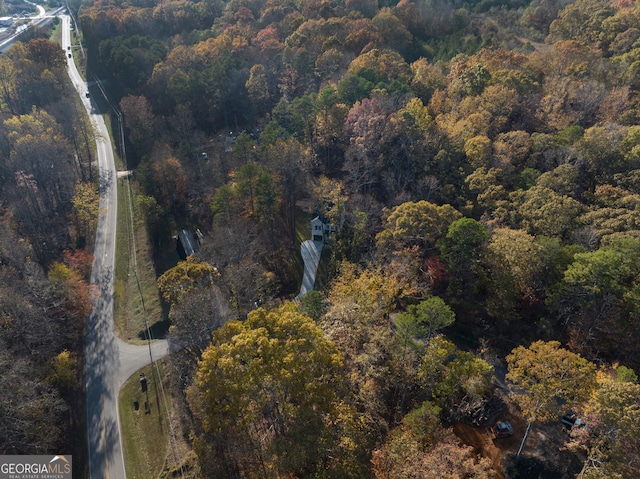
(549, 379)
(265, 381)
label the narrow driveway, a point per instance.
(310, 251)
(109, 361)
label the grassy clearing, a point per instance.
(303, 226)
(144, 422)
(322, 274)
(130, 295)
(121, 291)
(56, 32)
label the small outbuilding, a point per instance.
(186, 244)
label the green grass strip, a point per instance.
(144, 423)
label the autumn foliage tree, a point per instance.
(415, 223)
(456, 381)
(615, 404)
(140, 123)
(72, 291)
(358, 303)
(266, 392)
(42, 329)
(40, 162)
(86, 208)
(548, 381)
(404, 456)
(192, 273)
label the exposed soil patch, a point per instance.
(494, 449)
(543, 453)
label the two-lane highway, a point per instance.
(109, 361)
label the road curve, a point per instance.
(109, 360)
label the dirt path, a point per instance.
(494, 449)
(545, 444)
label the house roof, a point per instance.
(188, 242)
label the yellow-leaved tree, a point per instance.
(86, 200)
(267, 394)
(548, 381)
(187, 275)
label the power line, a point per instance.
(154, 366)
(133, 251)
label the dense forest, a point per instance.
(480, 162)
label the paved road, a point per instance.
(109, 361)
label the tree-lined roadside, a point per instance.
(109, 361)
